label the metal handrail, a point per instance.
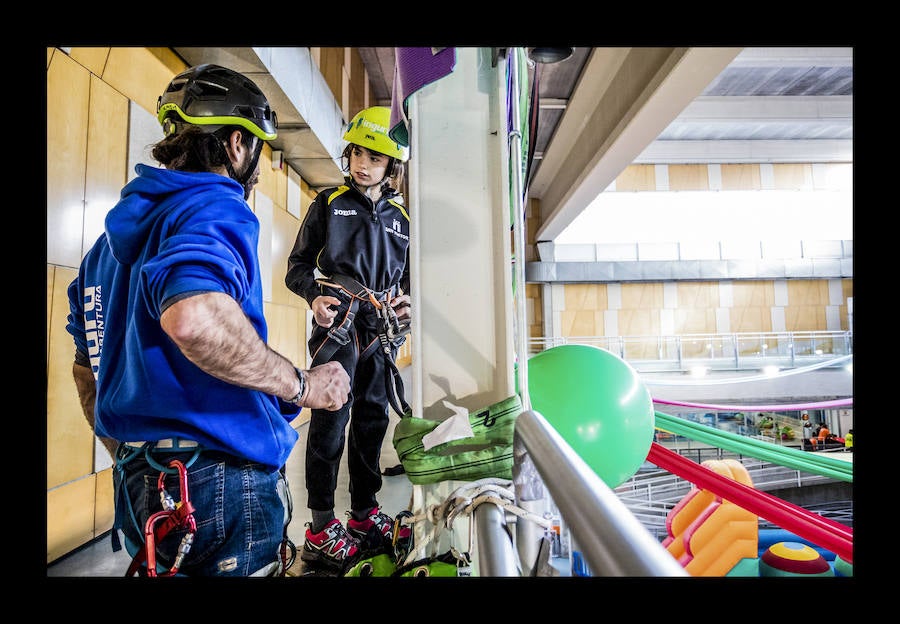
(727, 351)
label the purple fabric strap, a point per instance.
(415, 68)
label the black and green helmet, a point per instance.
(214, 96)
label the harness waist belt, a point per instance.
(172, 444)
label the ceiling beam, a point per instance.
(624, 99)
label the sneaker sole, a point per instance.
(315, 557)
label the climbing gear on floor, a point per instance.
(174, 515)
(391, 333)
(450, 563)
(488, 453)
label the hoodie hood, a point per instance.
(150, 199)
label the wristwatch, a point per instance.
(302, 378)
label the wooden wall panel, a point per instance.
(808, 293)
(743, 177)
(68, 98)
(688, 178)
(284, 233)
(70, 442)
(92, 59)
(642, 296)
(637, 178)
(695, 321)
(698, 295)
(805, 318)
(267, 178)
(142, 74)
(104, 502)
(70, 516)
(579, 323)
(107, 157)
(586, 297)
(357, 82)
(752, 294)
(287, 332)
(331, 63)
(792, 176)
(635, 322)
(751, 319)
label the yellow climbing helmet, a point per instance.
(369, 129)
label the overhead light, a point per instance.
(549, 55)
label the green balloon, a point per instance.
(598, 404)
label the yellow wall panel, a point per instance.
(752, 293)
(637, 178)
(309, 196)
(266, 183)
(92, 59)
(331, 63)
(751, 319)
(280, 179)
(808, 293)
(68, 96)
(104, 502)
(107, 157)
(287, 332)
(633, 322)
(141, 74)
(805, 318)
(357, 82)
(284, 233)
(585, 297)
(740, 177)
(695, 321)
(70, 517)
(70, 442)
(792, 176)
(642, 296)
(688, 178)
(698, 294)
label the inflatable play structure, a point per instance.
(709, 535)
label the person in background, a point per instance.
(171, 358)
(350, 262)
(806, 431)
(823, 434)
(848, 440)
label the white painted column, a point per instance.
(463, 313)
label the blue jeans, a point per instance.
(241, 510)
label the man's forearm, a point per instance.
(213, 332)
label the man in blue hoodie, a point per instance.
(171, 358)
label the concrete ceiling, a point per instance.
(601, 110)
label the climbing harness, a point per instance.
(391, 333)
(174, 515)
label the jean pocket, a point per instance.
(206, 492)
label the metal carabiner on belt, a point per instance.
(173, 515)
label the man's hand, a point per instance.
(328, 386)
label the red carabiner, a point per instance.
(173, 515)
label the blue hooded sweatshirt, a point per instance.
(173, 233)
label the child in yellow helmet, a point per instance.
(357, 236)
